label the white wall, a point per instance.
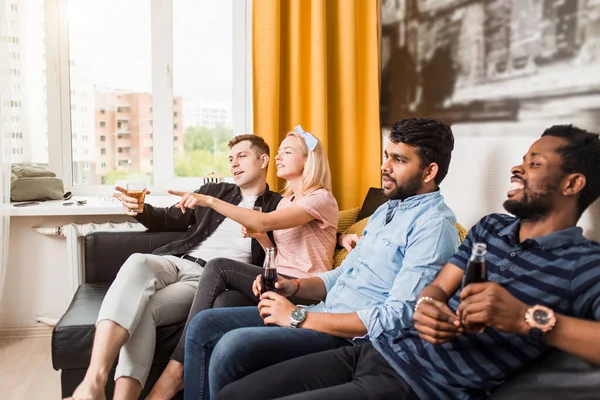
(37, 279)
(479, 179)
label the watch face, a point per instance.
(541, 317)
(298, 314)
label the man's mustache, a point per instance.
(389, 177)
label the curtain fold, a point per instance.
(316, 63)
(5, 147)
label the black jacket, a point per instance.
(201, 222)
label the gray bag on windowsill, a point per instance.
(32, 182)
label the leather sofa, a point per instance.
(73, 336)
(557, 376)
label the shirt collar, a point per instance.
(546, 242)
(414, 201)
(264, 196)
(559, 238)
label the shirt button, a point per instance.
(354, 274)
(502, 269)
(513, 254)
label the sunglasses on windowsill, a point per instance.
(78, 202)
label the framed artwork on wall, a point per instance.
(491, 67)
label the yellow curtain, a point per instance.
(316, 63)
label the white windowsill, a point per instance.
(96, 205)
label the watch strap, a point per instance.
(535, 336)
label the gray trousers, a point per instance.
(149, 291)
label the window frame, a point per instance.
(58, 88)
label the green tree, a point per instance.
(205, 151)
(204, 138)
(200, 163)
(114, 175)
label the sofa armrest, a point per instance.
(105, 252)
(557, 376)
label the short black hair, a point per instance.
(582, 156)
(433, 139)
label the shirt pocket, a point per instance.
(383, 248)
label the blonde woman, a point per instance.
(304, 227)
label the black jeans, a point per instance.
(352, 372)
(224, 283)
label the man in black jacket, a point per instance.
(158, 289)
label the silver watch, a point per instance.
(297, 316)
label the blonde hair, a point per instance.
(316, 174)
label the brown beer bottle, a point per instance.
(476, 272)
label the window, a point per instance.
(110, 80)
(25, 98)
(103, 164)
(199, 85)
(130, 78)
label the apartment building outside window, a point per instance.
(133, 101)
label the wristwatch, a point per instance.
(541, 320)
(297, 316)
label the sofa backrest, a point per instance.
(373, 200)
(105, 252)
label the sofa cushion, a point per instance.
(73, 336)
(347, 218)
(356, 228)
(462, 232)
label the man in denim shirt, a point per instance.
(372, 294)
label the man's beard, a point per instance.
(533, 206)
(409, 189)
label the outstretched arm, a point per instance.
(285, 218)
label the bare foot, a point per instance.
(89, 390)
(169, 383)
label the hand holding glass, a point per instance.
(137, 190)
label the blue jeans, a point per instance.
(225, 344)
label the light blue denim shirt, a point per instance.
(382, 276)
